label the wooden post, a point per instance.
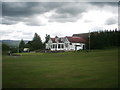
(18, 47)
(89, 40)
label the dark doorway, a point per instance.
(83, 47)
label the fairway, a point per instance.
(95, 69)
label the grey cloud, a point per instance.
(26, 20)
(21, 9)
(72, 8)
(14, 12)
(62, 18)
(102, 4)
(10, 20)
(7, 22)
(69, 12)
(87, 21)
(0, 9)
(72, 11)
(27, 8)
(6, 32)
(33, 22)
(111, 21)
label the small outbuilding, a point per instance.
(26, 49)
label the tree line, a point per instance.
(35, 44)
(104, 39)
(98, 40)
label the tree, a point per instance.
(47, 38)
(104, 39)
(36, 42)
(21, 45)
(5, 47)
(29, 45)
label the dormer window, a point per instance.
(56, 39)
(66, 44)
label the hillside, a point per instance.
(12, 43)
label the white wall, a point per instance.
(69, 48)
(49, 45)
(57, 48)
(72, 47)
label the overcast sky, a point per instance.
(23, 19)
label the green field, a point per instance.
(95, 69)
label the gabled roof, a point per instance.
(76, 39)
(70, 39)
(53, 40)
(83, 35)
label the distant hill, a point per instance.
(12, 43)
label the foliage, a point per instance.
(35, 44)
(104, 39)
(14, 49)
(5, 47)
(21, 45)
(29, 45)
(47, 37)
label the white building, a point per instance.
(26, 49)
(66, 43)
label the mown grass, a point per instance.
(95, 69)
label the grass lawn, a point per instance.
(95, 69)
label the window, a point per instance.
(70, 43)
(78, 45)
(62, 46)
(51, 46)
(66, 44)
(58, 45)
(55, 45)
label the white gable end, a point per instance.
(64, 44)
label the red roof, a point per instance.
(53, 39)
(76, 39)
(71, 39)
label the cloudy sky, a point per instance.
(23, 19)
